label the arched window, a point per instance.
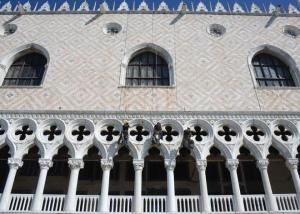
(147, 68)
(271, 71)
(28, 70)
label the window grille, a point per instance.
(147, 68)
(271, 71)
(28, 70)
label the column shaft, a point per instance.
(138, 202)
(292, 164)
(14, 164)
(75, 165)
(171, 200)
(38, 197)
(205, 204)
(232, 165)
(270, 199)
(106, 167)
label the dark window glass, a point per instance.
(27, 70)
(271, 71)
(147, 68)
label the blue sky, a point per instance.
(172, 3)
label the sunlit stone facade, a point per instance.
(187, 111)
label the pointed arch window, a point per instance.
(271, 71)
(27, 70)
(147, 69)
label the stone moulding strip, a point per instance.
(152, 116)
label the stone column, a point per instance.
(270, 199)
(171, 199)
(292, 164)
(205, 204)
(75, 165)
(138, 201)
(106, 165)
(232, 165)
(45, 164)
(14, 165)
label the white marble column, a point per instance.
(232, 165)
(138, 202)
(106, 165)
(14, 165)
(75, 166)
(205, 204)
(171, 199)
(270, 199)
(292, 164)
(45, 164)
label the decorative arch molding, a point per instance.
(152, 48)
(279, 53)
(7, 60)
(113, 149)
(164, 151)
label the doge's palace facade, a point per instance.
(132, 110)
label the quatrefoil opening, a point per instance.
(23, 132)
(227, 133)
(255, 133)
(169, 133)
(81, 132)
(139, 133)
(52, 132)
(284, 133)
(199, 133)
(109, 132)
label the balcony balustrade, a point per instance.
(287, 203)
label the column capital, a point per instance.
(15, 163)
(262, 164)
(107, 164)
(45, 163)
(292, 163)
(201, 164)
(170, 164)
(232, 164)
(75, 163)
(138, 164)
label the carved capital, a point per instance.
(232, 164)
(262, 164)
(15, 163)
(75, 163)
(45, 163)
(138, 164)
(170, 164)
(201, 164)
(107, 164)
(292, 163)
